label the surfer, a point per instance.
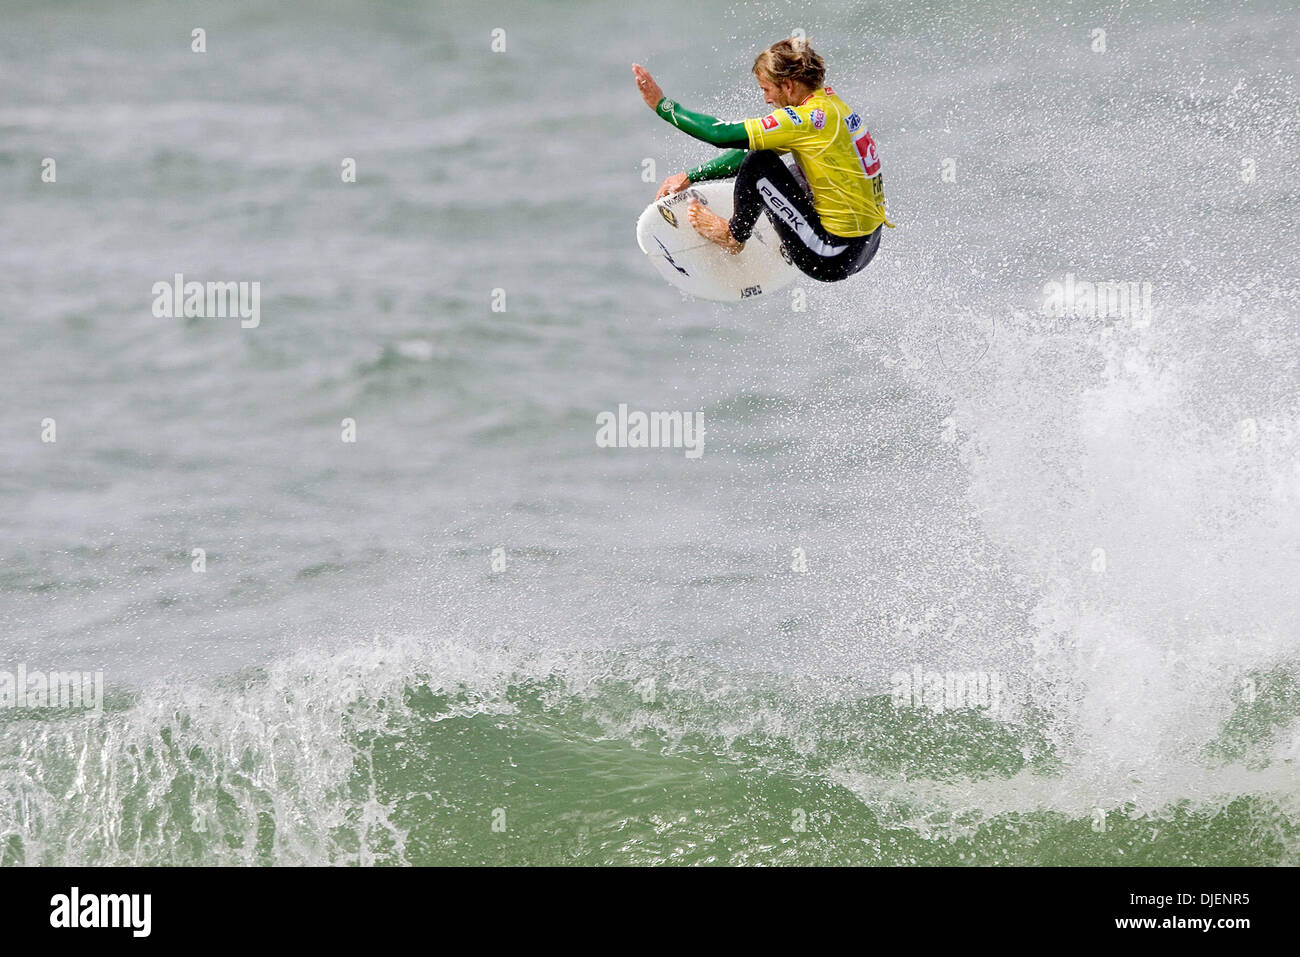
(830, 234)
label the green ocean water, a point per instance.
(615, 760)
(474, 636)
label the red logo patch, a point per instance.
(770, 122)
(867, 154)
(829, 91)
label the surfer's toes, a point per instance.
(713, 227)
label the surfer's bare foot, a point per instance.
(713, 228)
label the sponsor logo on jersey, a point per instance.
(818, 119)
(770, 122)
(667, 106)
(853, 122)
(829, 91)
(867, 154)
(794, 117)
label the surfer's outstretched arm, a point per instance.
(702, 126)
(699, 125)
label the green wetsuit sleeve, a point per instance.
(703, 127)
(718, 167)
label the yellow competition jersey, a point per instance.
(836, 153)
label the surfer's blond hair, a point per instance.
(792, 59)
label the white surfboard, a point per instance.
(700, 268)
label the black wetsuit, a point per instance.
(765, 184)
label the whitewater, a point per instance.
(365, 588)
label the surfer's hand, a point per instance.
(673, 184)
(646, 86)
